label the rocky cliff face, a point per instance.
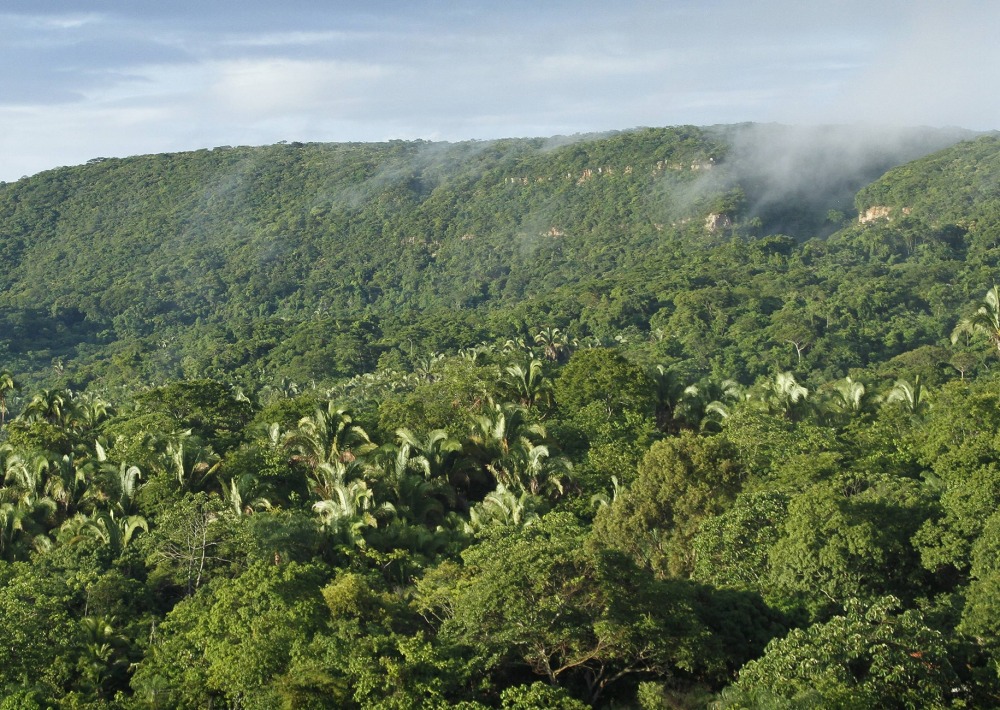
(715, 222)
(879, 212)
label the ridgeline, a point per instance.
(322, 261)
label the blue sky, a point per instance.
(85, 79)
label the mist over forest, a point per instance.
(658, 418)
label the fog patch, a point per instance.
(793, 176)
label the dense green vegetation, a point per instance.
(315, 262)
(502, 425)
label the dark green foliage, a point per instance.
(681, 482)
(872, 657)
(581, 620)
(501, 425)
(317, 261)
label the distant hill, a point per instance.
(321, 260)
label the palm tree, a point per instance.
(48, 405)
(985, 321)
(783, 395)
(909, 396)
(238, 495)
(21, 529)
(425, 368)
(437, 451)
(26, 511)
(327, 436)
(86, 410)
(669, 390)
(188, 459)
(707, 402)
(530, 468)
(348, 511)
(128, 481)
(529, 385)
(503, 508)
(555, 345)
(65, 483)
(100, 650)
(405, 478)
(281, 388)
(325, 478)
(502, 426)
(508, 446)
(114, 532)
(7, 385)
(519, 344)
(602, 499)
(849, 398)
(25, 476)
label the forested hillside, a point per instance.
(670, 418)
(319, 261)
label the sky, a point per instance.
(80, 79)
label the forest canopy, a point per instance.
(632, 420)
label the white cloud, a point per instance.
(258, 88)
(290, 39)
(83, 84)
(597, 63)
(69, 21)
(938, 69)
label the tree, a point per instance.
(348, 511)
(503, 507)
(436, 451)
(528, 384)
(328, 436)
(186, 544)
(849, 537)
(555, 344)
(113, 532)
(212, 410)
(7, 385)
(682, 481)
(500, 438)
(707, 402)
(188, 460)
(602, 375)
(232, 642)
(910, 397)
(22, 529)
(539, 596)
(102, 660)
(874, 656)
(849, 398)
(783, 395)
(731, 549)
(405, 479)
(37, 610)
(48, 405)
(985, 321)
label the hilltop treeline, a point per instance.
(324, 261)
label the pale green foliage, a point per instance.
(211, 646)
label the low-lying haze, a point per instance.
(81, 80)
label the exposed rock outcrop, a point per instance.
(879, 212)
(716, 221)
